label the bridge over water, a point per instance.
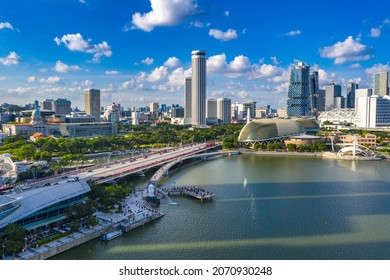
(123, 168)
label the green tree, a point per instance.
(26, 151)
(291, 147)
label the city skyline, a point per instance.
(137, 52)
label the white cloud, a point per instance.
(76, 43)
(271, 72)
(294, 33)
(236, 68)
(274, 60)
(226, 13)
(83, 1)
(2, 78)
(163, 13)
(87, 83)
(64, 68)
(157, 74)
(31, 79)
(51, 80)
(11, 59)
(112, 72)
(376, 32)
(147, 61)
(230, 34)
(326, 78)
(172, 62)
(349, 50)
(43, 70)
(6, 25)
(243, 94)
(176, 78)
(378, 68)
(355, 66)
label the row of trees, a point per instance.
(162, 134)
(314, 147)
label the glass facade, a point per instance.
(298, 103)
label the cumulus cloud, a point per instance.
(230, 34)
(226, 13)
(378, 68)
(326, 78)
(157, 74)
(163, 13)
(11, 59)
(64, 68)
(31, 79)
(51, 80)
(293, 33)
(112, 72)
(355, 66)
(274, 60)
(6, 25)
(76, 43)
(147, 61)
(236, 68)
(87, 83)
(172, 62)
(376, 32)
(349, 50)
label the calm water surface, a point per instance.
(266, 207)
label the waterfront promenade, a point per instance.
(136, 212)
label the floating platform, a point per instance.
(192, 191)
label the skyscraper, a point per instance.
(198, 88)
(187, 97)
(314, 93)
(331, 92)
(298, 103)
(92, 103)
(224, 110)
(351, 89)
(381, 84)
(154, 107)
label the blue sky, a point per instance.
(137, 51)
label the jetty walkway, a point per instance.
(192, 191)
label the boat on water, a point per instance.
(111, 235)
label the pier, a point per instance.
(191, 191)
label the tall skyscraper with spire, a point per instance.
(198, 88)
(298, 103)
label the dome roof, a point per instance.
(308, 124)
(265, 129)
(36, 112)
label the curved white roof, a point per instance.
(40, 198)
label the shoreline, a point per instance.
(282, 153)
(136, 212)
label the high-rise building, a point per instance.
(381, 86)
(351, 91)
(62, 107)
(224, 108)
(198, 88)
(211, 108)
(373, 111)
(211, 111)
(187, 97)
(298, 103)
(154, 107)
(47, 104)
(252, 110)
(92, 103)
(314, 92)
(331, 91)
